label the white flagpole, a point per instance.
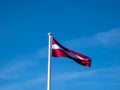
(49, 61)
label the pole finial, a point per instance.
(49, 33)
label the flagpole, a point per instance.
(49, 61)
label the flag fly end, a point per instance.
(60, 51)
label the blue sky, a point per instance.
(91, 27)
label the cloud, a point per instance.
(18, 69)
(12, 70)
(39, 80)
(102, 76)
(107, 39)
(111, 73)
(41, 53)
(26, 84)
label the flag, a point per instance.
(60, 51)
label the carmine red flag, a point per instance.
(60, 51)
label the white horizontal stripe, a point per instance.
(72, 55)
(80, 57)
(55, 46)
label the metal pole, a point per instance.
(49, 61)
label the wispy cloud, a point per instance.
(101, 73)
(13, 68)
(25, 84)
(107, 39)
(16, 68)
(41, 53)
(101, 76)
(35, 81)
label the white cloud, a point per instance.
(11, 69)
(104, 76)
(101, 73)
(41, 53)
(26, 83)
(39, 80)
(107, 39)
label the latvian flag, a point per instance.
(60, 51)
